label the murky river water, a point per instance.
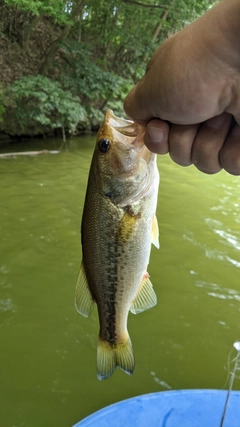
(48, 351)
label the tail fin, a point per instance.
(109, 356)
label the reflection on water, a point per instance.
(7, 305)
(217, 291)
(163, 384)
(48, 351)
(229, 236)
(4, 269)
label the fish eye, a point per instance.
(104, 145)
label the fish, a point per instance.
(118, 227)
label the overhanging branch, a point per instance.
(157, 6)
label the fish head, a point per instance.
(116, 145)
(121, 159)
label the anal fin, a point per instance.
(145, 298)
(83, 298)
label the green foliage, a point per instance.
(125, 30)
(40, 105)
(94, 51)
(95, 86)
(183, 12)
(53, 8)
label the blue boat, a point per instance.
(188, 408)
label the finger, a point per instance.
(208, 143)
(230, 152)
(181, 139)
(156, 136)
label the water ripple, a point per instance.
(7, 305)
(217, 291)
(162, 383)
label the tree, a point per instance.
(76, 10)
(38, 104)
(90, 52)
(22, 16)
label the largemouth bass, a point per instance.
(118, 227)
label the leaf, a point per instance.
(39, 100)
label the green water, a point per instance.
(48, 351)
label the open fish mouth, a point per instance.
(132, 132)
(123, 126)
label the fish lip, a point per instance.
(133, 134)
(129, 136)
(124, 126)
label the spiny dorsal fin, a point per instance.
(109, 356)
(155, 232)
(83, 298)
(145, 298)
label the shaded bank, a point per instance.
(62, 63)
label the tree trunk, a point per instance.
(158, 27)
(63, 135)
(28, 31)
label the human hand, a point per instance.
(190, 94)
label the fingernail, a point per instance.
(155, 135)
(217, 121)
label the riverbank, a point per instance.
(63, 63)
(46, 92)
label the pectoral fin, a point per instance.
(155, 232)
(145, 298)
(83, 298)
